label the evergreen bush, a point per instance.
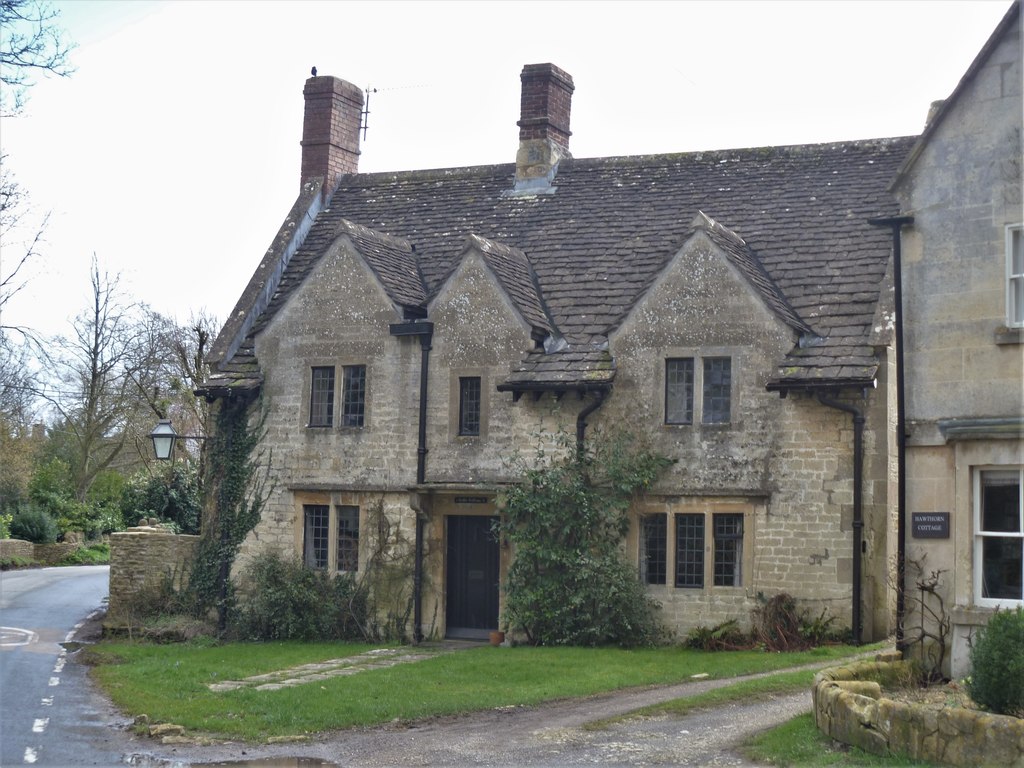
(997, 664)
(283, 600)
(33, 524)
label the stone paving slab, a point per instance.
(379, 658)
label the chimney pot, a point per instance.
(330, 130)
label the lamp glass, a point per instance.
(163, 439)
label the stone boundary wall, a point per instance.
(44, 554)
(143, 558)
(849, 707)
(10, 548)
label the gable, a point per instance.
(473, 315)
(702, 297)
(341, 297)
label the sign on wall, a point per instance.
(929, 525)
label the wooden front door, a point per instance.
(472, 577)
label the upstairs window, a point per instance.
(710, 378)
(353, 404)
(1015, 276)
(999, 536)
(679, 390)
(321, 397)
(469, 405)
(717, 403)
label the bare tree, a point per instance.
(96, 396)
(31, 43)
(15, 213)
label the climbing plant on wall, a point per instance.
(570, 582)
(237, 474)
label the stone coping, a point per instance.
(849, 707)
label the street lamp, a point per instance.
(164, 437)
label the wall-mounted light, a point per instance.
(164, 438)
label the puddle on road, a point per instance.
(270, 762)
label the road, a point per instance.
(49, 715)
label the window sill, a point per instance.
(1006, 335)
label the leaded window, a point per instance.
(321, 397)
(690, 550)
(353, 406)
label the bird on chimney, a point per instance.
(313, 71)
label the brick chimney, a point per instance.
(543, 126)
(330, 130)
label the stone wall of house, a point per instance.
(963, 362)
(143, 559)
(785, 464)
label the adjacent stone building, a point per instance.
(408, 334)
(962, 249)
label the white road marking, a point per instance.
(11, 636)
(47, 701)
(30, 755)
(54, 681)
(39, 724)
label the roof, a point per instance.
(793, 219)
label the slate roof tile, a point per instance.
(600, 240)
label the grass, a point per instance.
(170, 683)
(92, 554)
(800, 743)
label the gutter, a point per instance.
(858, 516)
(896, 223)
(424, 329)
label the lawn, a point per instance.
(169, 683)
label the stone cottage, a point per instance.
(408, 333)
(961, 245)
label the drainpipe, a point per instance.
(858, 518)
(424, 329)
(581, 420)
(896, 223)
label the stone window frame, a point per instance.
(338, 395)
(335, 506)
(980, 535)
(1015, 276)
(456, 375)
(330, 405)
(354, 420)
(697, 413)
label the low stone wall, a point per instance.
(141, 559)
(43, 554)
(849, 707)
(11, 548)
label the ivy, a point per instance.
(567, 519)
(237, 481)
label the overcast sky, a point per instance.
(172, 152)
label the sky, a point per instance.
(171, 155)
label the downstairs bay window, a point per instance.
(998, 536)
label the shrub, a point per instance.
(283, 600)
(997, 659)
(33, 524)
(95, 554)
(726, 636)
(570, 583)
